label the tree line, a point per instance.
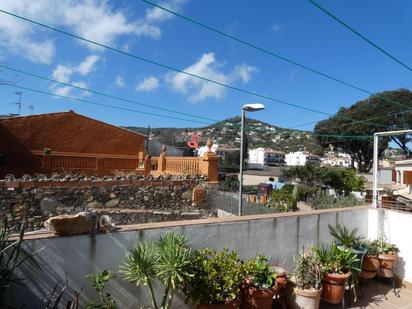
(384, 111)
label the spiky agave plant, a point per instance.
(12, 256)
(167, 260)
(344, 237)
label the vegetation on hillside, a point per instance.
(380, 113)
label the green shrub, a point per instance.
(305, 192)
(282, 201)
(230, 184)
(259, 273)
(344, 237)
(99, 281)
(308, 270)
(336, 260)
(288, 188)
(168, 260)
(323, 201)
(217, 277)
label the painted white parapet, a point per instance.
(396, 226)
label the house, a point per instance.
(66, 142)
(301, 158)
(337, 159)
(266, 156)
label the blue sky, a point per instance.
(294, 29)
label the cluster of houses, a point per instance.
(261, 157)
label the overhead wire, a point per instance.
(101, 93)
(271, 53)
(163, 66)
(362, 36)
(103, 104)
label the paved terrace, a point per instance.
(280, 236)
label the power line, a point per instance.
(166, 67)
(271, 53)
(101, 93)
(363, 37)
(103, 104)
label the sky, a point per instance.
(294, 29)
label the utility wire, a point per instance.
(271, 53)
(363, 37)
(101, 93)
(166, 67)
(163, 116)
(102, 104)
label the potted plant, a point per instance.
(308, 275)
(168, 260)
(387, 256)
(259, 285)
(338, 266)
(370, 262)
(216, 279)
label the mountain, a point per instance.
(227, 132)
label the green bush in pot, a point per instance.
(338, 266)
(216, 279)
(308, 274)
(259, 285)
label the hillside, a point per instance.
(227, 132)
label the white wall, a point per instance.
(280, 236)
(396, 226)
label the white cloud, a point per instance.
(276, 27)
(155, 14)
(119, 81)
(94, 19)
(148, 84)
(63, 73)
(208, 67)
(244, 72)
(87, 65)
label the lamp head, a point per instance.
(254, 107)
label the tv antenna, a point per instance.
(18, 101)
(31, 108)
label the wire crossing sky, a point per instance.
(99, 93)
(104, 105)
(174, 69)
(189, 73)
(271, 53)
(363, 37)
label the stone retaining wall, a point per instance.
(126, 201)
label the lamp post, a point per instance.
(245, 108)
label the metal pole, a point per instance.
(375, 170)
(241, 162)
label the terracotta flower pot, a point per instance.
(281, 281)
(307, 299)
(233, 304)
(254, 298)
(370, 266)
(333, 287)
(387, 264)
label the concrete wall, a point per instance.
(395, 226)
(279, 236)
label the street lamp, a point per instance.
(245, 108)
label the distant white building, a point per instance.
(338, 159)
(266, 156)
(301, 158)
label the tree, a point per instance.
(385, 115)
